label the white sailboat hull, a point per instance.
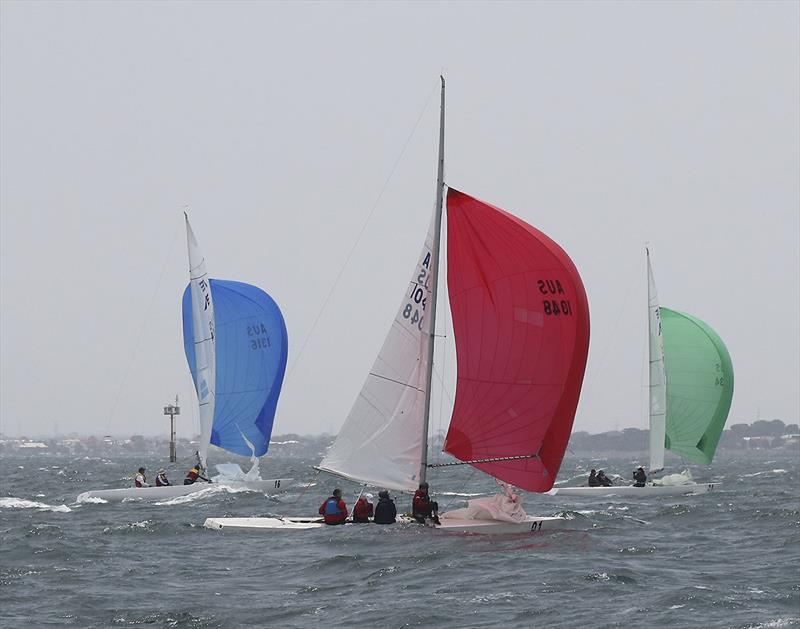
(155, 494)
(449, 525)
(629, 491)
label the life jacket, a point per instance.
(193, 474)
(161, 481)
(139, 480)
(332, 507)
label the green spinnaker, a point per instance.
(699, 386)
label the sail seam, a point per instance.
(403, 384)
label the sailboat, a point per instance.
(235, 342)
(521, 325)
(691, 388)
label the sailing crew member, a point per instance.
(423, 507)
(161, 478)
(193, 475)
(593, 482)
(605, 481)
(363, 509)
(639, 477)
(140, 480)
(385, 511)
(334, 510)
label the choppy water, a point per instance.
(726, 559)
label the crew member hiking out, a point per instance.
(334, 510)
(639, 477)
(423, 507)
(593, 482)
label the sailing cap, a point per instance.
(368, 497)
(161, 470)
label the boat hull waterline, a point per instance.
(154, 494)
(629, 491)
(449, 525)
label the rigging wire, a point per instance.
(142, 327)
(592, 378)
(339, 275)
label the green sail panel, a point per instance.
(699, 386)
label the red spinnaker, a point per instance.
(521, 323)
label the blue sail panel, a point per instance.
(251, 352)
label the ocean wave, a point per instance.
(84, 499)
(20, 503)
(144, 525)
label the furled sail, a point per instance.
(521, 323)
(251, 350)
(381, 440)
(699, 386)
(658, 381)
(201, 324)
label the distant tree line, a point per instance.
(762, 434)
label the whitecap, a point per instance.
(180, 500)
(83, 498)
(19, 503)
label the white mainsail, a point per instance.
(658, 378)
(381, 442)
(204, 349)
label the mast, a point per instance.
(434, 292)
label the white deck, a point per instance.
(155, 494)
(448, 525)
(629, 491)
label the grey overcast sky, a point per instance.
(606, 125)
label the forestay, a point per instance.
(521, 324)
(381, 440)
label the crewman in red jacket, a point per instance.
(333, 509)
(363, 510)
(423, 507)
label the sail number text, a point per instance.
(417, 299)
(554, 305)
(259, 336)
(720, 379)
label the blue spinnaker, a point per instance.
(251, 349)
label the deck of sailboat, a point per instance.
(448, 525)
(629, 491)
(154, 494)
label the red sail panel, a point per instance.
(521, 323)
